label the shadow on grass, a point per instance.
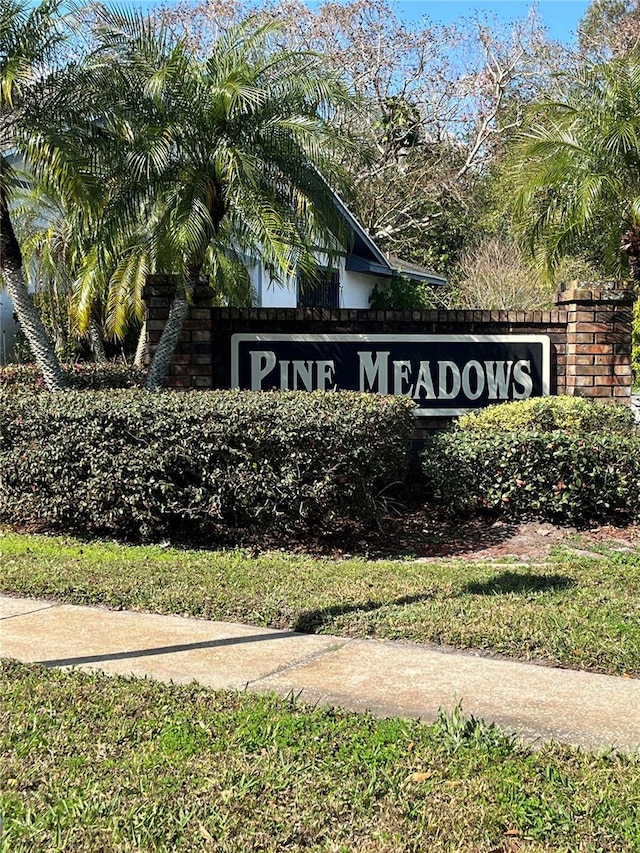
(311, 621)
(520, 582)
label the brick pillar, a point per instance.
(195, 345)
(157, 295)
(191, 365)
(599, 322)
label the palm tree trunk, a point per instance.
(141, 349)
(28, 317)
(168, 341)
(96, 342)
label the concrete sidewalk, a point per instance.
(387, 678)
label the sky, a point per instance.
(561, 17)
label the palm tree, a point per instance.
(112, 285)
(212, 157)
(28, 38)
(55, 247)
(577, 170)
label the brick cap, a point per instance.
(557, 317)
(582, 293)
(158, 285)
(162, 284)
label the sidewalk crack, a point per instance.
(30, 612)
(339, 643)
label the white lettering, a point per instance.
(402, 374)
(479, 381)
(522, 377)
(262, 363)
(425, 382)
(284, 375)
(302, 370)
(325, 371)
(498, 380)
(374, 370)
(445, 367)
(498, 376)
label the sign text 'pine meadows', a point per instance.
(443, 374)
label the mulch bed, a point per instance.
(418, 533)
(426, 534)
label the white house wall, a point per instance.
(355, 288)
(274, 295)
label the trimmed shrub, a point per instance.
(146, 466)
(81, 375)
(556, 476)
(546, 414)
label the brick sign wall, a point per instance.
(588, 342)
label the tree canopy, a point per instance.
(210, 133)
(28, 40)
(189, 162)
(234, 153)
(576, 169)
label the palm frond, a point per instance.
(576, 166)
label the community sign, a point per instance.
(444, 374)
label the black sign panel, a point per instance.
(443, 374)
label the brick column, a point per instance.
(191, 365)
(599, 322)
(157, 296)
(195, 343)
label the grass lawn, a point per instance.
(92, 763)
(570, 610)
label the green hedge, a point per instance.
(88, 375)
(136, 465)
(566, 459)
(556, 476)
(546, 414)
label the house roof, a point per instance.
(366, 257)
(415, 271)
